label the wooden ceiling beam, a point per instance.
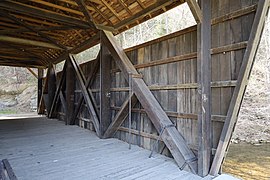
(39, 28)
(22, 23)
(52, 5)
(26, 52)
(16, 40)
(4, 62)
(8, 56)
(41, 13)
(36, 21)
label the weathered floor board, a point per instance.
(39, 148)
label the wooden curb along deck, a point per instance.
(6, 171)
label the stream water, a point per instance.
(247, 161)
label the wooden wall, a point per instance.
(169, 68)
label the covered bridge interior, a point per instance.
(178, 95)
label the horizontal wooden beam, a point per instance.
(28, 42)
(226, 17)
(192, 55)
(20, 65)
(41, 34)
(15, 63)
(26, 52)
(179, 115)
(40, 28)
(216, 84)
(234, 14)
(17, 58)
(41, 13)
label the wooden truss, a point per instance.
(171, 137)
(202, 164)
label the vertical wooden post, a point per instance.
(40, 88)
(70, 92)
(204, 89)
(51, 87)
(105, 84)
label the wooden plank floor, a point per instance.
(39, 148)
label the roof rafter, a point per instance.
(111, 9)
(142, 13)
(125, 7)
(89, 18)
(86, 13)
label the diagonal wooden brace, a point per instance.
(195, 9)
(86, 94)
(120, 116)
(89, 82)
(246, 66)
(63, 101)
(41, 103)
(171, 136)
(58, 90)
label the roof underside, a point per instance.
(35, 33)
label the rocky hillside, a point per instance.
(17, 90)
